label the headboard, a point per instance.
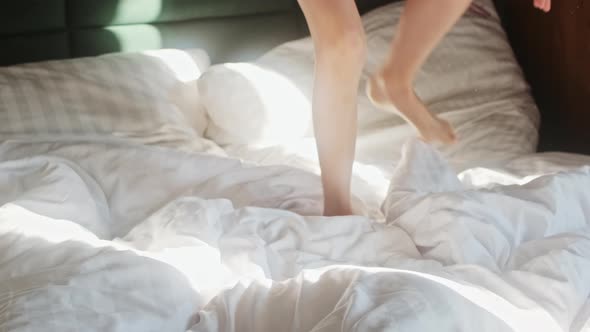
(230, 30)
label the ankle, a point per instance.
(397, 85)
(337, 206)
(337, 211)
(394, 72)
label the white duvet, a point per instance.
(110, 237)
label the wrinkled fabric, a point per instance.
(115, 237)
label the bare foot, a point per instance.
(404, 102)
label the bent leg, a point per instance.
(422, 25)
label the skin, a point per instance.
(340, 53)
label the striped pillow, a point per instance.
(151, 97)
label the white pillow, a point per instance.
(151, 97)
(266, 102)
(472, 79)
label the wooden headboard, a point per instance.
(554, 52)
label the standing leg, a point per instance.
(340, 49)
(422, 25)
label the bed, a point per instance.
(149, 181)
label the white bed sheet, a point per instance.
(115, 237)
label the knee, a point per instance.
(345, 47)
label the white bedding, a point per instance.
(149, 97)
(115, 237)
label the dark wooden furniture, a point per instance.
(554, 52)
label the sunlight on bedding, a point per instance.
(203, 267)
(200, 265)
(139, 38)
(519, 319)
(483, 177)
(184, 67)
(19, 221)
(292, 120)
(303, 154)
(373, 176)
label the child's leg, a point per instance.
(339, 43)
(422, 25)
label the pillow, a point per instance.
(150, 97)
(472, 79)
(266, 102)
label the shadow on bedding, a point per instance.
(73, 281)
